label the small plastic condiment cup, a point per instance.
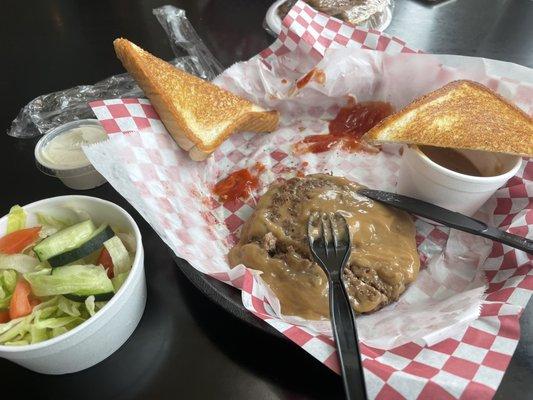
(80, 178)
(424, 179)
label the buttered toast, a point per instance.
(198, 114)
(462, 114)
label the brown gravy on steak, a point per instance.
(384, 257)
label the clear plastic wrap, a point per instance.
(51, 110)
(185, 41)
(369, 14)
(54, 109)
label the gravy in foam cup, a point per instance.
(436, 182)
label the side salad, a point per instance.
(58, 274)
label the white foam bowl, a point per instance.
(424, 179)
(101, 335)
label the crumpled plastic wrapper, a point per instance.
(54, 109)
(185, 42)
(358, 11)
(367, 13)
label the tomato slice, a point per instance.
(106, 261)
(20, 302)
(16, 242)
(4, 316)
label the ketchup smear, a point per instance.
(347, 128)
(238, 184)
(315, 74)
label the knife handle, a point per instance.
(518, 242)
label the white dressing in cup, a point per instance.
(64, 150)
(59, 153)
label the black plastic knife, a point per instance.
(448, 218)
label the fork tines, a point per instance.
(328, 237)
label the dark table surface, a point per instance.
(185, 346)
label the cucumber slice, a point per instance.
(91, 244)
(82, 280)
(64, 240)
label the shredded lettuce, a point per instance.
(56, 322)
(90, 305)
(16, 219)
(5, 327)
(46, 219)
(41, 269)
(70, 279)
(55, 219)
(118, 280)
(15, 329)
(69, 307)
(8, 281)
(17, 343)
(50, 224)
(119, 254)
(58, 331)
(47, 320)
(18, 262)
(129, 241)
(37, 334)
(81, 214)
(46, 312)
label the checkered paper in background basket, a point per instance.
(163, 184)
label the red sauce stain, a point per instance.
(320, 77)
(315, 74)
(347, 128)
(358, 119)
(298, 170)
(284, 81)
(259, 167)
(305, 80)
(238, 184)
(209, 202)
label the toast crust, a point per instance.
(462, 114)
(198, 114)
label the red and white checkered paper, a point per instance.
(170, 191)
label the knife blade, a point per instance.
(448, 218)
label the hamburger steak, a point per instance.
(384, 258)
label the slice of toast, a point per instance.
(462, 114)
(198, 114)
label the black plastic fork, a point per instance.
(329, 241)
